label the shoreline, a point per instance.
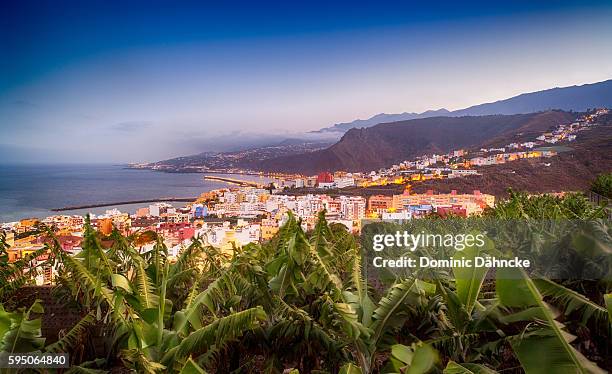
(102, 205)
(41, 191)
(196, 171)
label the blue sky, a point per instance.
(139, 81)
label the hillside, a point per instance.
(227, 161)
(383, 118)
(376, 152)
(574, 170)
(573, 98)
(382, 145)
(569, 171)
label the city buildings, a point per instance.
(229, 218)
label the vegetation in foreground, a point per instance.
(299, 303)
(603, 185)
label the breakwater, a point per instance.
(240, 182)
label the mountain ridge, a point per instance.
(382, 118)
(568, 98)
(340, 156)
(371, 148)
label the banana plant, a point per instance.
(544, 344)
(19, 331)
(14, 275)
(128, 290)
(300, 301)
(414, 359)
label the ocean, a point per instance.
(33, 190)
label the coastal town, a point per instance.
(246, 212)
(456, 163)
(196, 187)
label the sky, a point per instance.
(130, 81)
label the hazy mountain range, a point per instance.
(382, 118)
(573, 98)
(371, 148)
(388, 138)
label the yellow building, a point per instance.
(27, 224)
(269, 228)
(22, 247)
(9, 238)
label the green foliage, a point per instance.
(350, 368)
(301, 301)
(572, 301)
(16, 274)
(520, 205)
(455, 368)
(418, 358)
(545, 347)
(73, 337)
(603, 185)
(468, 280)
(19, 331)
(192, 368)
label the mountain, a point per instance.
(227, 161)
(573, 98)
(382, 145)
(304, 150)
(568, 171)
(382, 118)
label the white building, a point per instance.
(406, 214)
(155, 210)
(345, 182)
(462, 172)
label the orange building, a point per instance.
(453, 198)
(27, 224)
(376, 202)
(105, 226)
(142, 212)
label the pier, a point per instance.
(239, 182)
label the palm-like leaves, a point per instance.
(220, 331)
(548, 347)
(69, 341)
(19, 332)
(571, 300)
(302, 300)
(455, 368)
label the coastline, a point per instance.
(37, 190)
(198, 170)
(103, 205)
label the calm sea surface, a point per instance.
(32, 191)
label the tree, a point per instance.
(603, 185)
(301, 301)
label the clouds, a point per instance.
(190, 86)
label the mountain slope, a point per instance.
(576, 98)
(226, 161)
(573, 98)
(591, 155)
(383, 118)
(380, 146)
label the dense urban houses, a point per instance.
(247, 213)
